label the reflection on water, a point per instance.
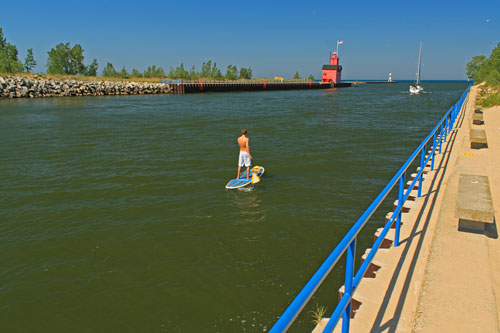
(248, 203)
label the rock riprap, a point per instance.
(19, 87)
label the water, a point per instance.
(114, 215)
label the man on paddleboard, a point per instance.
(245, 157)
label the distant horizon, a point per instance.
(273, 38)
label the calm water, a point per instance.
(114, 215)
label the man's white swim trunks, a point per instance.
(244, 159)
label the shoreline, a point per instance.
(35, 87)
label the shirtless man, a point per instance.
(245, 157)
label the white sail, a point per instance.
(416, 88)
(419, 63)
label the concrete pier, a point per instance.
(182, 87)
(440, 278)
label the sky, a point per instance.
(274, 38)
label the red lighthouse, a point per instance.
(332, 72)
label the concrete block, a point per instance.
(477, 138)
(388, 239)
(374, 266)
(355, 304)
(474, 199)
(388, 216)
(426, 170)
(477, 119)
(406, 206)
(415, 186)
(478, 109)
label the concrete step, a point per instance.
(388, 240)
(375, 265)
(407, 205)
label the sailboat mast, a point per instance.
(419, 63)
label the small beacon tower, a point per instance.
(333, 71)
(390, 77)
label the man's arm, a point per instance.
(248, 148)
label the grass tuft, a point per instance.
(318, 314)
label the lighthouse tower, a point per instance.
(333, 71)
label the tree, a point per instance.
(192, 73)
(231, 73)
(206, 69)
(109, 70)
(153, 71)
(92, 68)
(29, 62)
(310, 77)
(9, 62)
(296, 76)
(473, 65)
(488, 69)
(124, 73)
(135, 73)
(66, 60)
(245, 73)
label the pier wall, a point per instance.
(228, 86)
(19, 87)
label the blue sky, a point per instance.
(275, 38)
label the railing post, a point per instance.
(440, 137)
(433, 151)
(445, 130)
(349, 275)
(400, 201)
(422, 159)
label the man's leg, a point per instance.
(248, 170)
(238, 176)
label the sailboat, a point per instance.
(416, 88)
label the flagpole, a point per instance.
(337, 48)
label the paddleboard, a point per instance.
(243, 181)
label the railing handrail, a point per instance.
(349, 240)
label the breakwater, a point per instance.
(19, 87)
(185, 87)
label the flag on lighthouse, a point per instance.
(339, 42)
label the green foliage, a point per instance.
(92, 69)
(192, 73)
(296, 76)
(109, 71)
(66, 60)
(209, 71)
(488, 70)
(473, 65)
(9, 62)
(245, 73)
(179, 73)
(310, 77)
(491, 100)
(152, 71)
(493, 78)
(318, 314)
(135, 73)
(124, 73)
(29, 61)
(231, 73)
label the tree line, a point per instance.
(209, 70)
(69, 60)
(482, 69)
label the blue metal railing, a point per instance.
(348, 243)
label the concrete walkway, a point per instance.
(461, 287)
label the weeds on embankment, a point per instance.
(489, 94)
